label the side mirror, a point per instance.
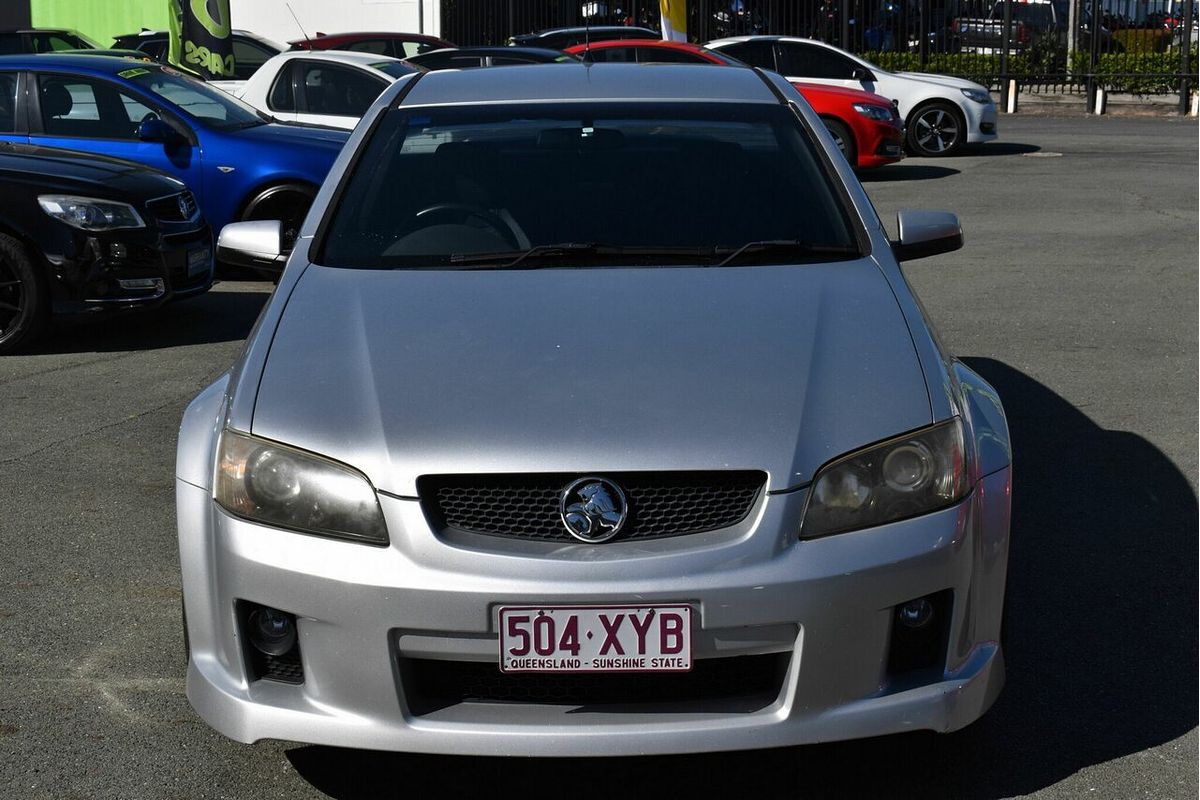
(926, 233)
(154, 129)
(862, 74)
(257, 244)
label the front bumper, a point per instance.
(981, 121)
(882, 143)
(824, 606)
(129, 269)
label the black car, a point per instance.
(250, 51)
(562, 38)
(43, 40)
(467, 57)
(81, 234)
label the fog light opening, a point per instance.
(920, 632)
(270, 643)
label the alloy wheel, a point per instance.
(937, 131)
(12, 296)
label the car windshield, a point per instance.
(205, 103)
(663, 183)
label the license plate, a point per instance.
(654, 638)
(198, 261)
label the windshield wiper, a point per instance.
(782, 247)
(564, 252)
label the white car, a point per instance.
(940, 112)
(333, 88)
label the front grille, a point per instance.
(174, 208)
(431, 684)
(285, 668)
(661, 504)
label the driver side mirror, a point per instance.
(257, 244)
(926, 233)
(862, 74)
(156, 130)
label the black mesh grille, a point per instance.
(176, 208)
(285, 668)
(431, 684)
(527, 506)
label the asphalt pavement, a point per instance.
(1076, 295)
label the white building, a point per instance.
(272, 18)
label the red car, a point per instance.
(396, 45)
(866, 127)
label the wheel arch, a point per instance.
(271, 187)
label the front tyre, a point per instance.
(23, 304)
(843, 138)
(936, 129)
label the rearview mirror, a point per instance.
(926, 233)
(154, 129)
(862, 74)
(257, 244)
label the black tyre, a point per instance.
(843, 138)
(288, 203)
(23, 302)
(936, 129)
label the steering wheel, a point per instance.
(464, 212)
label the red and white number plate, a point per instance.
(596, 638)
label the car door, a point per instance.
(815, 64)
(96, 115)
(10, 130)
(325, 89)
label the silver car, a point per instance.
(593, 415)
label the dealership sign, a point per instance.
(200, 40)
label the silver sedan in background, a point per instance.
(593, 415)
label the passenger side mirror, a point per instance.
(153, 129)
(926, 233)
(257, 244)
(862, 74)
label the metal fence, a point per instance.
(1139, 46)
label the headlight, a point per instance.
(900, 478)
(881, 113)
(89, 214)
(978, 95)
(278, 485)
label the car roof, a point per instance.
(601, 28)
(610, 44)
(398, 35)
(94, 64)
(339, 56)
(592, 82)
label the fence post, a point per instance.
(1005, 44)
(1185, 60)
(924, 28)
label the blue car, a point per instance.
(239, 164)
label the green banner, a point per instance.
(200, 40)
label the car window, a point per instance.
(8, 102)
(248, 57)
(407, 49)
(473, 176)
(757, 54)
(810, 61)
(337, 90)
(611, 55)
(667, 55)
(380, 47)
(155, 48)
(283, 93)
(89, 108)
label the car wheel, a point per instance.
(936, 129)
(843, 138)
(23, 307)
(288, 203)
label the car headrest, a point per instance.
(56, 100)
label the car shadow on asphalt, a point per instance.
(223, 315)
(1101, 637)
(905, 171)
(994, 149)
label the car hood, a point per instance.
(941, 80)
(295, 135)
(52, 168)
(413, 372)
(843, 92)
